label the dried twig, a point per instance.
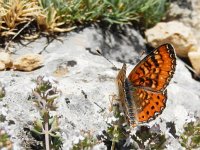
(26, 25)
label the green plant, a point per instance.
(52, 17)
(5, 140)
(120, 11)
(190, 139)
(85, 11)
(46, 128)
(152, 11)
(118, 132)
(65, 15)
(87, 142)
(149, 138)
(147, 12)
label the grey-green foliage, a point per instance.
(46, 128)
(5, 142)
(190, 139)
(145, 137)
(87, 143)
(146, 12)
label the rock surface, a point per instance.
(187, 12)
(28, 62)
(173, 32)
(195, 60)
(116, 44)
(86, 87)
(5, 61)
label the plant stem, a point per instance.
(113, 145)
(46, 128)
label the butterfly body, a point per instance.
(143, 94)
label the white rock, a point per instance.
(28, 62)
(175, 33)
(2, 66)
(100, 146)
(187, 12)
(195, 60)
(5, 61)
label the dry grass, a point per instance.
(16, 12)
(51, 16)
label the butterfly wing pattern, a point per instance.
(143, 94)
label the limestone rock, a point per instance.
(175, 33)
(195, 60)
(2, 66)
(28, 62)
(124, 47)
(5, 61)
(61, 70)
(187, 12)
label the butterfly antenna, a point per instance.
(106, 59)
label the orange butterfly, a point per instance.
(142, 94)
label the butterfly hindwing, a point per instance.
(148, 104)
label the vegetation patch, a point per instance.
(46, 129)
(119, 134)
(5, 142)
(53, 16)
(190, 139)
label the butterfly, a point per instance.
(143, 94)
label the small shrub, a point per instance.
(86, 142)
(119, 134)
(190, 139)
(46, 128)
(5, 140)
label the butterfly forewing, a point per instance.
(155, 71)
